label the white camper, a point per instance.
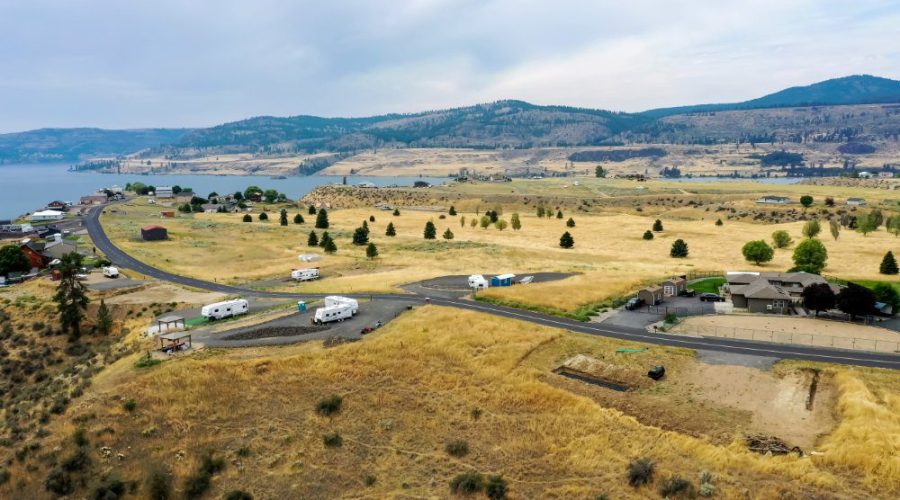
(338, 312)
(337, 300)
(111, 272)
(478, 282)
(305, 274)
(225, 309)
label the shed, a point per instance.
(651, 295)
(674, 286)
(502, 280)
(154, 233)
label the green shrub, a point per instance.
(467, 483)
(4, 475)
(197, 483)
(496, 488)
(329, 405)
(671, 318)
(333, 440)
(146, 362)
(110, 489)
(59, 482)
(238, 495)
(370, 480)
(129, 405)
(79, 437)
(159, 484)
(677, 487)
(640, 472)
(457, 448)
(77, 461)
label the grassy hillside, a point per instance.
(76, 144)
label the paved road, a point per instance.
(120, 258)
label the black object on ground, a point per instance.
(591, 380)
(657, 372)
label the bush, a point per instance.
(671, 318)
(197, 483)
(679, 249)
(448, 234)
(330, 405)
(247, 218)
(570, 222)
(806, 200)
(496, 489)
(396, 212)
(146, 361)
(812, 228)
(640, 472)
(648, 235)
(719, 222)
(110, 489)
(333, 440)
(159, 484)
(238, 495)
(77, 461)
(657, 226)
(566, 240)
(79, 437)
(758, 251)
(457, 448)
(129, 405)
(467, 483)
(59, 482)
(781, 239)
(298, 219)
(263, 216)
(676, 486)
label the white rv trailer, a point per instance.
(225, 309)
(478, 282)
(111, 272)
(336, 300)
(305, 274)
(337, 312)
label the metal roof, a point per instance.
(175, 335)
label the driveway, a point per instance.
(646, 315)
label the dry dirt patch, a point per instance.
(772, 323)
(165, 293)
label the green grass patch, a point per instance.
(583, 313)
(199, 320)
(708, 285)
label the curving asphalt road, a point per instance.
(840, 356)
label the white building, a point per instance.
(164, 192)
(45, 215)
(8, 227)
(856, 202)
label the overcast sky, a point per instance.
(142, 63)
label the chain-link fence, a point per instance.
(806, 339)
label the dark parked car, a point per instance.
(688, 293)
(633, 303)
(711, 297)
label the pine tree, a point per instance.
(657, 226)
(322, 219)
(360, 236)
(263, 216)
(462, 221)
(365, 225)
(648, 235)
(324, 239)
(430, 231)
(390, 231)
(719, 222)
(312, 210)
(313, 240)
(330, 247)
(448, 234)
(452, 210)
(371, 218)
(566, 240)
(104, 319)
(888, 264)
(493, 215)
(540, 210)
(298, 219)
(283, 219)
(247, 218)
(515, 222)
(559, 214)
(570, 222)
(679, 249)
(371, 251)
(396, 212)
(71, 298)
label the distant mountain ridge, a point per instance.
(501, 124)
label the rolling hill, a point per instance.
(76, 144)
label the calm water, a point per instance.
(25, 188)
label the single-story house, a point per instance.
(776, 292)
(212, 208)
(45, 215)
(856, 202)
(164, 192)
(774, 200)
(56, 249)
(58, 205)
(502, 280)
(94, 199)
(652, 294)
(154, 233)
(674, 286)
(367, 185)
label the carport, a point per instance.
(168, 321)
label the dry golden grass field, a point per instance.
(417, 385)
(609, 249)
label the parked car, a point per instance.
(711, 297)
(687, 292)
(633, 303)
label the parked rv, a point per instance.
(111, 272)
(225, 309)
(478, 282)
(336, 300)
(337, 312)
(305, 274)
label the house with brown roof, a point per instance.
(769, 292)
(674, 287)
(651, 295)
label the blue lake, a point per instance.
(26, 188)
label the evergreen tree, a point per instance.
(570, 222)
(566, 240)
(657, 226)
(835, 227)
(888, 264)
(371, 218)
(322, 219)
(390, 231)
(365, 226)
(515, 222)
(313, 240)
(360, 236)
(104, 319)
(452, 210)
(371, 251)
(330, 247)
(283, 220)
(679, 249)
(430, 231)
(493, 215)
(71, 298)
(263, 216)
(448, 234)
(559, 214)
(462, 221)
(599, 172)
(540, 210)
(719, 222)
(298, 219)
(648, 235)
(312, 210)
(324, 239)
(396, 212)
(247, 218)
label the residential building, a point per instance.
(673, 287)
(164, 192)
(771, 292)
(58, 205)
(94, 199)
(774, 200)
(45, 215)
(33, 250)
(651, 295)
